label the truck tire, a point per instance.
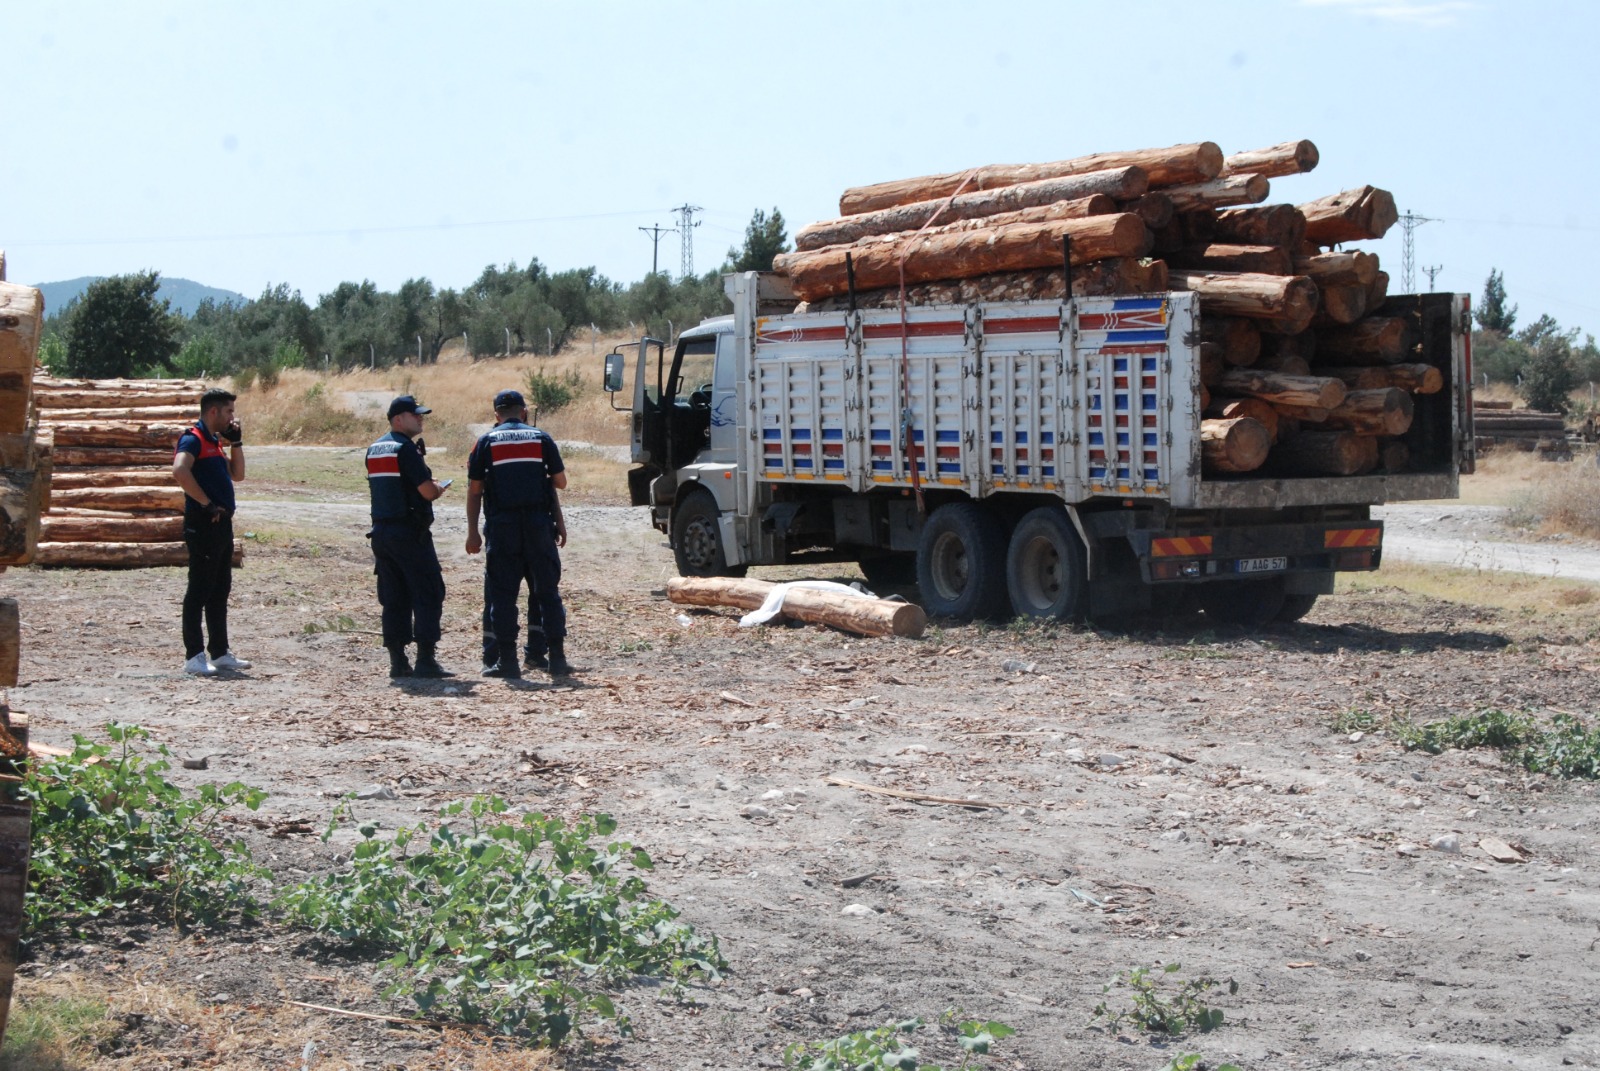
(1249, 603)
(697, 539)
(1047, 569)
(1295, 607)
(961, 563)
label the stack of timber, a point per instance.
(1294, 322)
(24, 487)
(113, 503)
(1497, 424)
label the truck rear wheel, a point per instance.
(961, 562)
(697, 539)
(1047, 570)
(1295, 607)
(1250, 603)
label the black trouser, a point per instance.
(410, 583)
(210, 580)
(537, 644)
(522, 546)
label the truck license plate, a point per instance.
(1263, 565)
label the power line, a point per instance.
(655, 232)
(339, 232)
(1408, 261)
(686, 225)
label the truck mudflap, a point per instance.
(1257, 551)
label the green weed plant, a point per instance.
(888, 1048)
(1159, 1009)
(1566, 746)
(111, 833)
(519, 922)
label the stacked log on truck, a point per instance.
(113, 503)
(1292, 318)
(25, 456)
(1528, 430)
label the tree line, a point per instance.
(1543, 360)
(118, 327)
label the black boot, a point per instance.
(399, 665)
(506, 667)
(559, 666)
(535, 661)
(427, 665)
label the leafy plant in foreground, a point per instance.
(1192, 1061)
(515, 921)
(1567, 747)
(886, 1048)
(111, 832)
(1155, 1011)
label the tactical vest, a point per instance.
(393, 499)
(517, 476)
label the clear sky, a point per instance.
(248, 144)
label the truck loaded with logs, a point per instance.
(1083, 388)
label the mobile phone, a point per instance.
(446, 483)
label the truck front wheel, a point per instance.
(697, 539)
(961, 562)
(1046, 567)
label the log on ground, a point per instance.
(1286, 303)
(168, 499)
(120, 555)
(65, 479)
(867, 617)
(149, 414)
(127, 398)
(121, 529)
(1318, 392)
(1164, 167)
(965, 254)
(1239, 444)
(1087, 191)
(125, 433)
(115, 456)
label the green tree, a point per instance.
(118, 327)
(764, 238)
(1492, 313)
(1549, 376)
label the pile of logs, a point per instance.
(1303, 370)
(1496, 424)
(113, 502)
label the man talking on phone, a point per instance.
(209, 459)
(410, 582)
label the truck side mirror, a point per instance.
(613, 377)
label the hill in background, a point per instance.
(185, 294)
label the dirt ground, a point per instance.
(1167, 795)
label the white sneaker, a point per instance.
(200, 666)
(230, 661)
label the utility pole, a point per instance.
(1431, 272)
(655, 234)
(1408, 261)
(686, 225)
